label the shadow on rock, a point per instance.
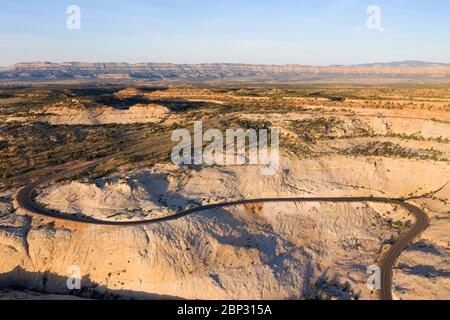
(19, 279)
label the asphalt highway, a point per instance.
(25, 199)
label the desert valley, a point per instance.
(87, 184)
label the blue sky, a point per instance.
(319, 32)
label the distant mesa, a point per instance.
(41, 71)
(406, 63)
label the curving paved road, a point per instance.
(25, 199)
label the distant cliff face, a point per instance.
(208, 72)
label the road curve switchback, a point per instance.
(25, 199)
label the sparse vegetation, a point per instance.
(389, 149)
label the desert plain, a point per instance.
(390, 141)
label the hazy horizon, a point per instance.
(323, 33)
